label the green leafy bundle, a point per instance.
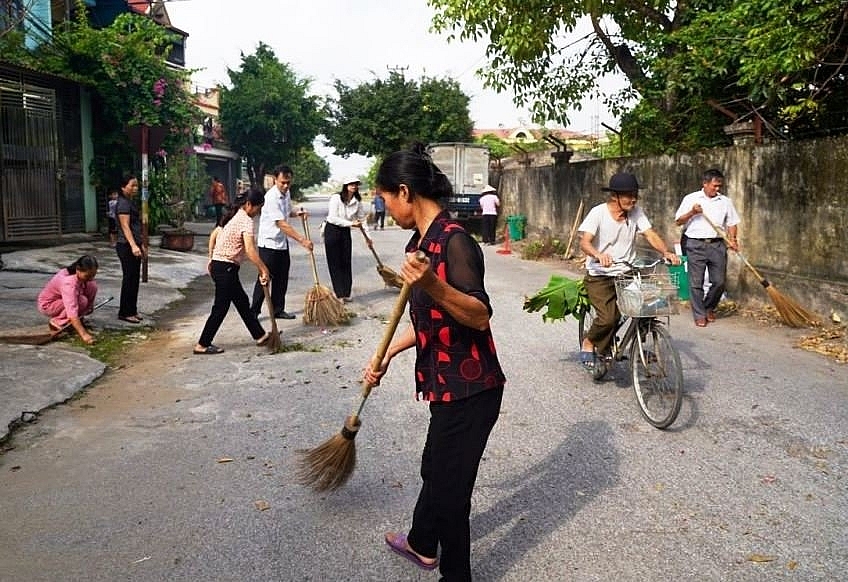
(560, 297)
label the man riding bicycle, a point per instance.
(608, 236)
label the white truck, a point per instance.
(467, 167)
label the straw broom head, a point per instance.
(790, 312)
(329, 465)
(321, 306)
(390, 278)
(275, 344)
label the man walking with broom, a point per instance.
(706, 249)
(273, 243)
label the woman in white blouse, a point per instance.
(345, 211)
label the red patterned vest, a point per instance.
(453, 361)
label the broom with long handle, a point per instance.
(274, 342)
(322, 307)
(390, 278)
(329, 465)
(790, 312)
(41, 338)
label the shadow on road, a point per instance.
(547, 495)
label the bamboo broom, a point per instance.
(790, 312)
(39, 338)
(322, 307)
(329, 465)
(390, 278)
(275, 344)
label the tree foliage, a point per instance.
(267, 115)
(309, 169)
(377, 118)
(687, 64)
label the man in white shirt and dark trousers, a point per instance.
(706, 251)
(273, 243)
(489, 203)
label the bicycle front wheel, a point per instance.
(657, 375)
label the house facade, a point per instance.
(46, 124)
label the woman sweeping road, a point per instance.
(456, 368)
(232, 243)
(344, 210)
(70, 295)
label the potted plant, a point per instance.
(177, 181)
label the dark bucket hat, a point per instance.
(623, 182)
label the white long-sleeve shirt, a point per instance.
(345, 215)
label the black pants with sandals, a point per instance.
(456, 439)
(228, 290)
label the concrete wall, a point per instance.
(792, 198)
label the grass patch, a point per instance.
(297, 347)
(545, 247)
(109, 344)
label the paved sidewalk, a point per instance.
(33, 378)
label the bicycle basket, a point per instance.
(646, 295)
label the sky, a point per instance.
(354, 41)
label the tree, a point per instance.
(377, 118)
(267, 115)
(309, 169)
(685, 62)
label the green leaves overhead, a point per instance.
(385, 115)
(560, 297)
(694, 66)
(268, 115)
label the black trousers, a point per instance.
(379, 218)
(337, 245)
(278, 263)
(456, 439)
(131, 277)
(488, 227)
(228, 290)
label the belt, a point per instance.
(706, 240)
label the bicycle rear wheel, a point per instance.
(657, 375)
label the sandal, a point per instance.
(587, 360)
(129, 319)
(264, 339)
(209, 350)
(398, 544)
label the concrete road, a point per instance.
(180, 467)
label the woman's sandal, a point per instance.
(209, 350)
(129, 318)
(264, 339)
(398, 544)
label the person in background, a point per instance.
(219, 198)
(489, 203)
(232, 244)
(379, 210)
(706, 251)
(608, 238)
(274, 234)
(70, 295)
(344, 211)
(129, 249)
(112, 216)
(456, 367)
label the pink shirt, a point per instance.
(229, 246)
(489, 203)
(67, 287)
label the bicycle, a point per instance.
(642, 296)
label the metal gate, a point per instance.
(29, 187)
